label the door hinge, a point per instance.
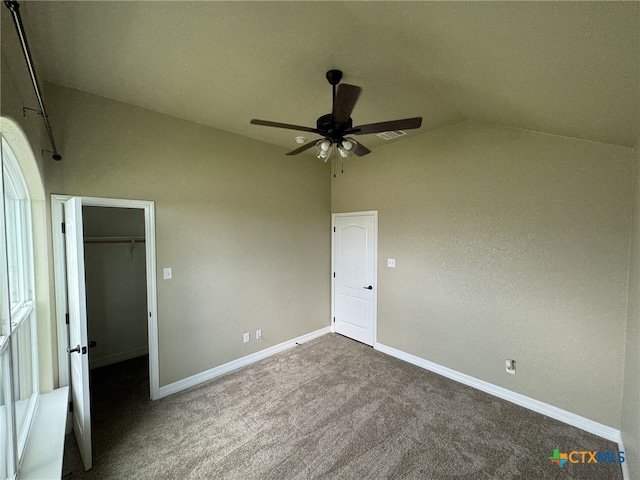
(66, 318)
(334, 319)
(334, 274)
(334, 229)
(63, 228)
(71, 407)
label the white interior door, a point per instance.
(78, 344)
(355, 275)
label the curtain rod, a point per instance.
(13, 6)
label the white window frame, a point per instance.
(18, 317)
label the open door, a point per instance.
(78, 344)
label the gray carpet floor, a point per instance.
(330, 408)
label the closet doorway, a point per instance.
(116, 284)
(118, 247)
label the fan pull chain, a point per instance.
(334, 159)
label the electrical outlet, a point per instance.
(511, 366)
(258, 334)
(246, 337)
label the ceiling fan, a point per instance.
(335, 126)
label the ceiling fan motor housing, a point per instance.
(333, 131)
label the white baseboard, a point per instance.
(564, 416)
(118, 357)
(199, 378)
(626, 475)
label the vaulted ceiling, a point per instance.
(564, 68)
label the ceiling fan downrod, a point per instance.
(334, 77)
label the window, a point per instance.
(18, 337)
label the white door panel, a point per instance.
(354, 260)
(78, 356)
(353, 311)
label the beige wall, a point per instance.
(244, 227)
(508, 244)
(631, 394)
(16, 92)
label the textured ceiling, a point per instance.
(565, 68)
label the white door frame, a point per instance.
(57, 216)
(374, 213)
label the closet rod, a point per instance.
(13, 6)
(114, 240)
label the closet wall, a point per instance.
(115, 266)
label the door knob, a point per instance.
(370, 287)
(71, 350)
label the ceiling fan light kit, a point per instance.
(346, 148)
(323, 149)
(334, 126)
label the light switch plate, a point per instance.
(168, 274)
(391, 262)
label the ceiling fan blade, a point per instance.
(345, 101)
(403, 124)
(268, 123)
(302, 148)
(361, 150)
